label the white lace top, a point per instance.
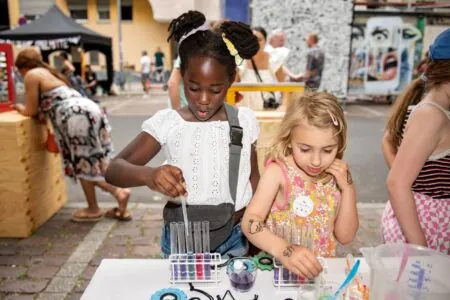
(200, 150)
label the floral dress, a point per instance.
(82, 132)
(308, 204)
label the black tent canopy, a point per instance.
(53, 26)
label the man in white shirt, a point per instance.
(145, 71)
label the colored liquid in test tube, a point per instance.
(174, 249)
(287, 237)
(182, 250)
(190, 253)
(198, 249)
(206, 250)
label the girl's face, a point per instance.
(205, 84)
(313, 149)
(261, 40)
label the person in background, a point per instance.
(159, 64)
(315, 60)
(74, 79)
(145, 71)
(91, 79)
(67, 68)
(277, 39)
(269, 67)
(416, 147)
(82, 132)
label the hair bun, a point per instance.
(184, 24)
(242, 37)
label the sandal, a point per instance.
(81, 216)
(115, 213)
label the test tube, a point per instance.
(182, 250)
(190, 252)
(287, 237)
(206, 250)
(295, 240)
(198, 249)
(174, 249)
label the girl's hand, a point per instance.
(167, 180)
(339, 169)
(301, 261)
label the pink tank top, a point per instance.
(308, 205)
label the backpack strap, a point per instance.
(236, 134)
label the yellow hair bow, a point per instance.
(232, 49)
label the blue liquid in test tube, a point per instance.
(206, 250)
(182, 250)
(174, 249)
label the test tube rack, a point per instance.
(191, 259)
(195, 268)
(296, 235)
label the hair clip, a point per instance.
(424, 78)
(333, 119)
(232, 49)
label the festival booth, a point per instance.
(32, 186)
(54, 31)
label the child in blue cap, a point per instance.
(417, 148)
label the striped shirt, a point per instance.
(434, 178)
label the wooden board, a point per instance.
(268, 123)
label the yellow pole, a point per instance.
(13, 12)
(287, 87)
(82, 64)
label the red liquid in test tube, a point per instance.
(198, 249)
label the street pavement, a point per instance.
(59, 260)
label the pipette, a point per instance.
(185, 217)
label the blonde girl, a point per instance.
(306, 183)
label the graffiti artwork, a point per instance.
(383, 55)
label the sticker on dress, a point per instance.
(303, 206)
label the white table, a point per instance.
(138, 279)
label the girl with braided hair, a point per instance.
(195, 138)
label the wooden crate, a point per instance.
(32, 185)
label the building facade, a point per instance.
(144, 23)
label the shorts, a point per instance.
(145, 77)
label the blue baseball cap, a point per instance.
(440, 49)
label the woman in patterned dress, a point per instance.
(81, 129)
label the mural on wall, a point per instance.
(330, 19)
(384, 54)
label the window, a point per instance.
(127, 10)
(103, 10)
(31, 10)
(78, 9)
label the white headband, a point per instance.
(204, 27)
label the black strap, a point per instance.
(255, 68)
(236, 134)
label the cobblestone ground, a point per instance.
(59, 260)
